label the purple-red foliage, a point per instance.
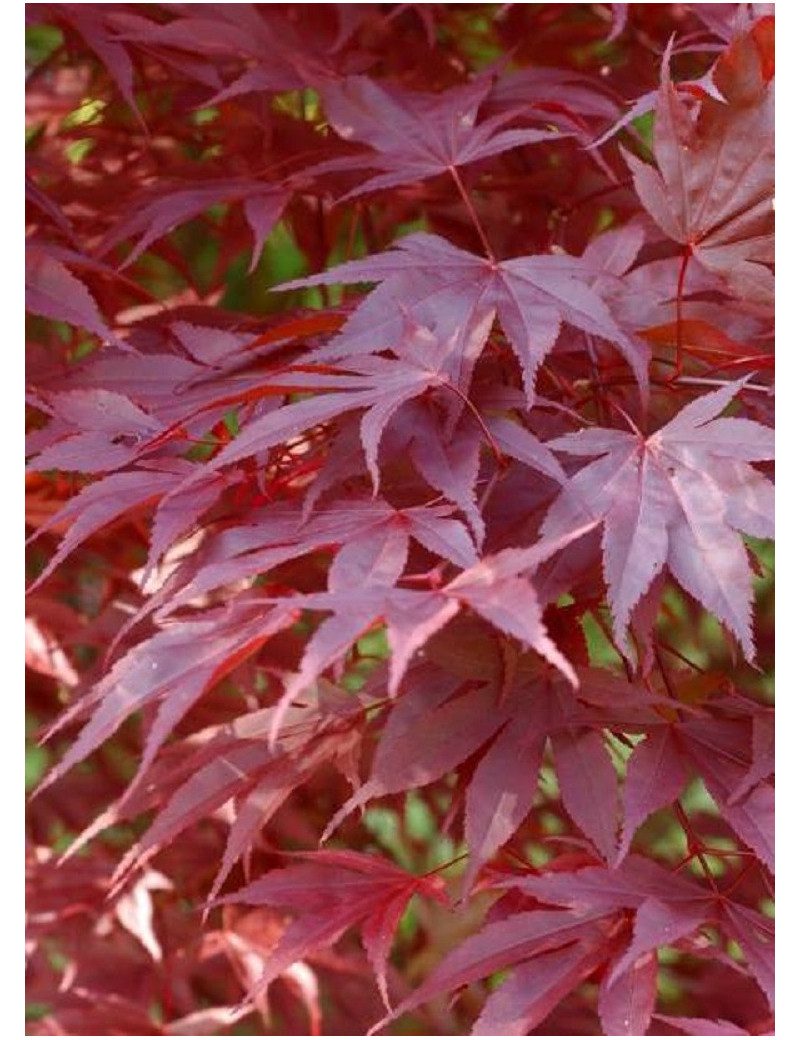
(400, 618)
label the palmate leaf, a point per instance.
(500, 793)
(655, 776)
(377, 385)
(436, 726)
(116, 495)
(714, 188)
(427, 735)
(265, 480)
(722, 752)
(101, 37)
(588, 785)
(637, 881)
(755, 933)
(331, 892)
(677, 499)
(156, 213)
(626, 1003)
(495, 588)
(536, 986)
(53, 291)
(414, 135)
(452, 291)
(92, 431)
(99, 504)
(718, 750)
(523, 937)
(557, 949)
(171, 669)
(370, 540)
(236, 762)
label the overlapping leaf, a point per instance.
(414, 135)
(677, 498)
(332, 892)
(494, 588)
(714, 188)
(240, 445)
(159, 212)
(453, 291)
(170, 668)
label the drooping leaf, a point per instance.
(53, 291)
(500, 793)
(158, 213)
(494, 588)
(170, 668)
(657, 924)
(719, 752)
(332, 892)
(99, 504)
(587, 781)
(93, 431)
(755, 933)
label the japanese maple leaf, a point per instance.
(283, 55)
(734, 757)
(188, 393)
(158, 211)
(93, 26)
(496, 588)
(428, 734)
(637, 881)
(565, 97)
(377, 385)
(452, 291)
(714, 184)
(719, 751)
(104, 501)
(755, 933)
(535, 987)
(529, 939)
(656, 773)
(678, 498)
(175, 667)
(331, 892)
(54, 292)
(431, 730)
(370, 537)
(415, 135)
(666, 910)
(92, 431)
(234, 761)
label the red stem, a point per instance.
(694, 846)
(679, 313)
(478, 418)
(473, 214)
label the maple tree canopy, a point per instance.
(400, 513)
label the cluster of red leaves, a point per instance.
(469, 543)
